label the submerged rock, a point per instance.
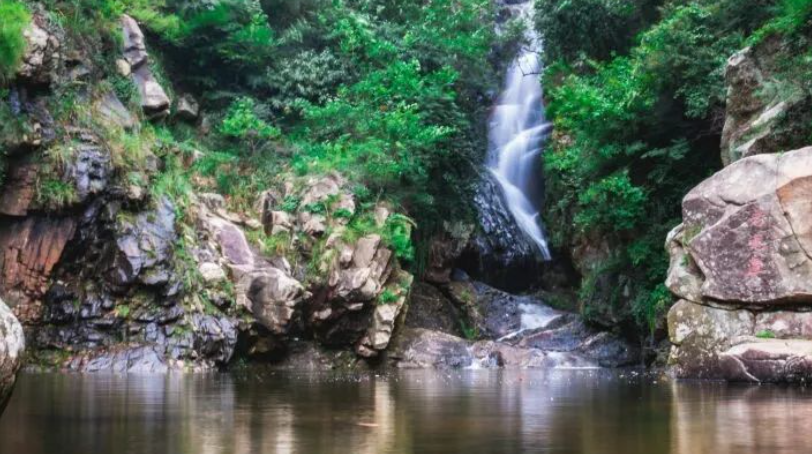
(12, 345)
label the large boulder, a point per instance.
(747, 229)
(768, 360)
(12, 345)
(741, 265)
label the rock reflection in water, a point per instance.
(592, 412)
(740, 419)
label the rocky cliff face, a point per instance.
(107, 273)
(740, 261)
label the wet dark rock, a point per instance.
(215, 337)
(421, 348)
(144, 247)
(609, 350)
(525, 321)
(90, 170)
(429, 308)
(144, 359)
(500, 254)
(502, 312)
(188, 108)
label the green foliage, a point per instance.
(14, 17)
(243, 123)
(397, 234)
(590, 28)
(765, 334)
(290, 204)
(470, 332)
(54, 194)
(123, 311)
(635, 132)
(388, 296)
(792, 16)
(613, 203)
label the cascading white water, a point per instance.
(517, 132)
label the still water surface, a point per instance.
(471, 412)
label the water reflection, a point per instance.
(753, 419)
(592, 412)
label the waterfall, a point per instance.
(517, 132)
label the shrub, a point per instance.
(14, 18)
(637, 129)
(591, 28)
(243, 123)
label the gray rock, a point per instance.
(145, 359)
(113, 111)
(154, 100)
(188, 109)
(42, 56)
(215, 337)
(768, 360)
(90, 170)
(429, 309)
(699, 334)
(12, 346)
(757, 122)
(500, 253)
(272, 296)
(420, 348)
(144, 247)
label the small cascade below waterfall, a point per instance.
(517, 132)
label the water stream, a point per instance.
(517, 132)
